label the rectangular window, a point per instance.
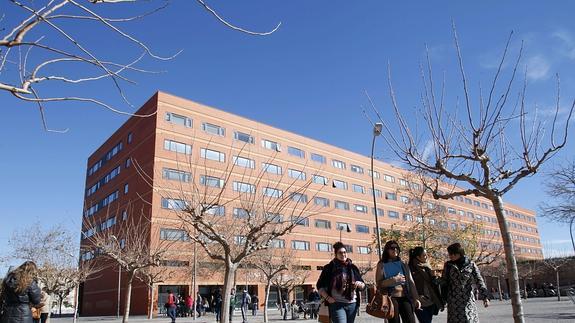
(391, 196)
(244, 162)
(212, 155)
(318, 179)
(247, 138)
(93, 189)
(338, 164)
(130, 137)
(128, 162)
(218, 210)
(239, 239)
(404, 199)
(377, 192)
(114, 151)
(476, 203)
(296, 152)
(271, 145)
(176, 175)
(341, 205)
(211, 181)
(271, 168)
(298, 197)
(375, 174)
(361, 228)
(178, 120)
(379, 211)
(177, 147)
(349, 248)
(321, 201)
(274, 217)
(300, 245)
(213, 129)
(322, 224)
(339, 184)
(110, 198)
(356, 169)
(451, 210)
(297, 174)
(318, 158)
(323, 246)
(407, 217)
(126, 188)
(403, 182)
(173, 204)
(468, 200)
(388, 178)
(272, 192)
(416, 186)
(278, 244)
(298, 220)
(173, 235)
(111, 175)
(363, 250)
(393, 214)
(343, 226)
(360, 208)
(358, 188)
(240, 213)
(244, 187)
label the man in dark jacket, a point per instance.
(313, 303)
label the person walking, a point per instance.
(218, 305)
(255, 304)
(46, 306)
(313, 300)
(171, 306)
(393, 275)
(245, 302)
(189, 306)
(426, 285)
(20, 292)
(233, 302)
(338, 283)
(460, 274)
(199, 304)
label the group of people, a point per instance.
(21, 298)
(412, 285)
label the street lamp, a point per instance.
(113, 237)
(376, 132)
(341, 228)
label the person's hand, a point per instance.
(399, 278)
(330, 300)
(486, 302)
(358, 285)
(417, 304)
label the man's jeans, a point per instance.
(172, 313)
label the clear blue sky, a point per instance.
(308, 78)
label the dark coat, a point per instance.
(17, 306)
(327, 274)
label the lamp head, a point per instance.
(377, 128)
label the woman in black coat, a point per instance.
(20, 291)
(338, 285)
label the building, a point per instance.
(181, 132)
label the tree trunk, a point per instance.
(499, 288)
(60, 301)
(266, 298)
(281, 300)
(558, 290)
(512, 272)
(128, 297)
(76, 290)
(229, 280)
(151, 310)
(525, 287)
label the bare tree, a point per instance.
(47, 52)
(152, 276)
(528, 268)
(561, 189)
(132, 244)
(288, 281)
(56, 253)
(488, 148)
(556, 264)
(236, 212)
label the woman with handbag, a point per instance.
(338, 283)
(20, 292)
(426, 285)
(394, 277)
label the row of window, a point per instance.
(101, 204)
(104, 180)
(107, 157)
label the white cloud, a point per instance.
(537, 68)
(428, 150)
(568, 48)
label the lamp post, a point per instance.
(113, 237)
(376, 132)
(347, 229)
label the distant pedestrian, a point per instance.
(217, 305)
(255, 304)
(460, 275)
(426, 284)
(313, 300)
(189, 305)
(246, 301)
(199, 304)
(232, 302)
(171, 306)
(46, 306)
(20, 291)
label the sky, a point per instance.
(308, 77)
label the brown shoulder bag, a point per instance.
(381, 305)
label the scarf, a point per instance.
(343, 278)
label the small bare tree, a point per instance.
(288, 281)
(47, 52)
(556, 264)
(152, 276)
(132, 245)
(488, 150)
(561, 190)
(528, 268)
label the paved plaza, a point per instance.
(544, 310)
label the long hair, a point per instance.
(385, 256)
(413, 254)
(25, 274)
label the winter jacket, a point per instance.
(427, 286)
(17, 306)
(385, 283)
(327, 274)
